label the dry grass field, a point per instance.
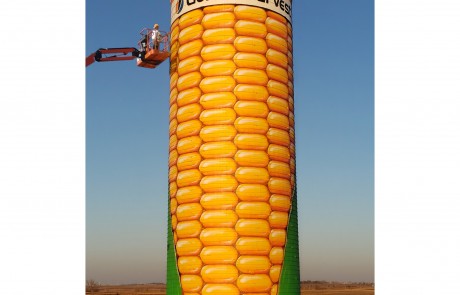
(307, 288)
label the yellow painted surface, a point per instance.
(232, 152)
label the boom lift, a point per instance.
(149, 53)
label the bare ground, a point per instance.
(307, 288)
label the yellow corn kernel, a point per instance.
(251, 109)
(172, 173)
(218, 236)
(173, 80)
(191, 283)
(218, 133)
(252, 192)
(188, 112)
(173, 205)
(277, 16)
(280, 203)
(218, 8)
(173, 222)
(188, 96)
(220, 166)
(252, 175)
(277, 73)
(251, 92)
(188, 81)
(253, 246)
(218, 100)
(219, 201)
(222, 67)
(190, 211)
(278, 219)
(188, 177)
(188, 229)
(189, 194)
(250, 60)
(277, 104)
(276, 255)
(174, 34)
(218, 51)
(292, 165)
(253, 264)
(188, 144)
(277, 89)
(277, 43)
(279, 153)
(173, 58)
(251, 141)
(291, 119)
(217, 84)
(250, 76)
(274, 289)
(191, 33)
(219, 255)
(250, 29)
(222, 274)
(278, 136)
(189, 247)
(291, 103)
(218, 218)
(188, 161)
(227, 289)
(290, 73)
(189, 265)
(290, 88)
(218, 149)
(279, 169)
(253, 228)
(277, 237)
(250, 13)
(222, 116)
(218, 20)
(190, 18)
(194, 293)
(250, 44)
(277, 58)
(276, 27)
(254, 283)
(189, 128)
(172, 111)
(251, 125)
(275, 271)
(278, 186)
(293, 180)
(172, 189)
(191, 64)
(251, 158)
(172, 158)
(190, 49)
(219, 183)
(173, 96)
(219, 36)
(260, 210)
(289, 42)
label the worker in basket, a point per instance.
(156, 37)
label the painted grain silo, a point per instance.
(232, 186)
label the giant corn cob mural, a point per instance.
(232, 188)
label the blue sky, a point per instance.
(127, 143)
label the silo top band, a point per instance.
(180, 7)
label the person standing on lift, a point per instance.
(156, 37)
